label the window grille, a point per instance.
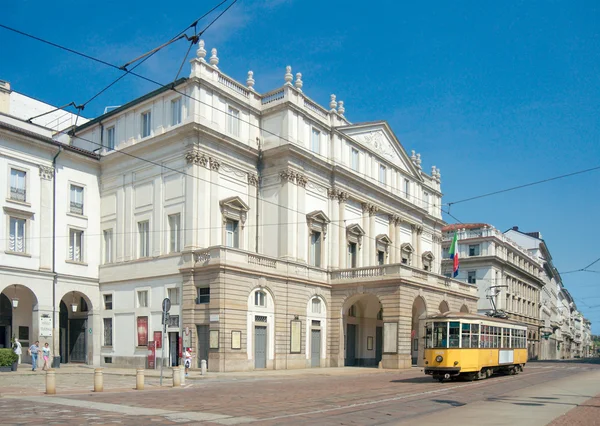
(260, 318)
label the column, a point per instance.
(287, 214)
(392, 234)
(301, 226)
(191, 200)
(333, 231)
(216, 217)
(46, 206)
(364, 259)
(398, 241)
(414, 261)
(372, 234)
(419, 248)
(254, 232)
(343, 244)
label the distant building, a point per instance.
(508, 278)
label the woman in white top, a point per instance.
(188, 360)
(46, 355)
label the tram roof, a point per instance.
(471, 317)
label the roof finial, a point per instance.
(250, 80)
(341, 109)
(413, 157)
(332, 103)
(288, 75)
(299, 83)
(201, 52)
(419, 161)
(214, 59)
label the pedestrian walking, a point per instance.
(17, 349)
(33, 352)
(188, 360)
(46, 355)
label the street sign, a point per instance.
(166, 305)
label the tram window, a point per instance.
(474, 335)
(497, 337)
(440, 334)
(454, 335)
(466, 335)
(428, 340)
(505, 337)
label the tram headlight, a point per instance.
(455, 362)
(439, 358)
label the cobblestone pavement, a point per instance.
(349, 399)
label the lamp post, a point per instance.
(74, 305)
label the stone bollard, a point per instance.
(139, 379)
(182, 375)
(176, 377)
(203, 367)
(50, 382)
(98, 380)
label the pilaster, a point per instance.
(46, 206)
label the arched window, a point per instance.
(316, 306)
(352, 311)
(260, 299)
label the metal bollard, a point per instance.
(203, 367)
(176, 377)
(50, 382)
(98, 380)
(139, 379)
(182, 375)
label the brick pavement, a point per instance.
(585, 414)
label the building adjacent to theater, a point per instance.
(284, 235)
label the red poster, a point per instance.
(158, 339)
(180, 347)
(151, 356)
(142, 331)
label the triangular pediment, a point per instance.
(407, 247)
(318, 216)
(428, 255)
(383, 239)
(379, 138)
(356, 229)
(234, 203)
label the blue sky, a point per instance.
(495, 94)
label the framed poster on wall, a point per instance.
(142, 331)
(158, 339)
(214, 339)
(295, 336)
(236, 339)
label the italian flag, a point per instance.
(453, 252)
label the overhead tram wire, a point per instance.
(584, 269)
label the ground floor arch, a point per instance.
(464, 309)
(419, 312)
(75, 329)
(444, 307)
(362, 318)
(19, 317)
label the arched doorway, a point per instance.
(75, 337)
(316, 331)
(419, 312)
(19, 319)
(261, 328)
(444, 307)
(363, 330)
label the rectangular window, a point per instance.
(175, 111)
(108, 302)
(466, 335)
(260, 298)
(18, 190)
(232, 238)
(315, 249)
(474, 250)
(382, 173)
(440, 334)
(76, 205)
(316, 306)
(352, 255)
(233, 121)
(110, 138)
(174, 233)
(144, 238)
(16, 240)
(472, 277)
(454, 339)
(146, 124)
(107, 331)
(173, 295)
(315, 145)
(202, 295)
(380, 257)
(142, 297)
(474, 335)
(76, 245)
(406, 188)
(107, 233)
(354, 159)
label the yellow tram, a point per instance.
(473, 346)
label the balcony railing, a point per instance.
(18, 194)
(76, 208)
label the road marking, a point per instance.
(141, 411)
(396, 398)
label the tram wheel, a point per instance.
(489, 372)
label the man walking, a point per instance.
(17, 349)
(33, 351)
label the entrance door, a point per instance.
(77, 340)
(260, 347)
(173, 349)
(350, 345)
(378, 344)
(203, 343)
(315, 348)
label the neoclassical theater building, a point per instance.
(284, 235)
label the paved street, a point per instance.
(543, 394)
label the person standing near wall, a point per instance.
(33, 351)
(17, 349)
(46, 355)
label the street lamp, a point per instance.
(15, 299)
(74, 305)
